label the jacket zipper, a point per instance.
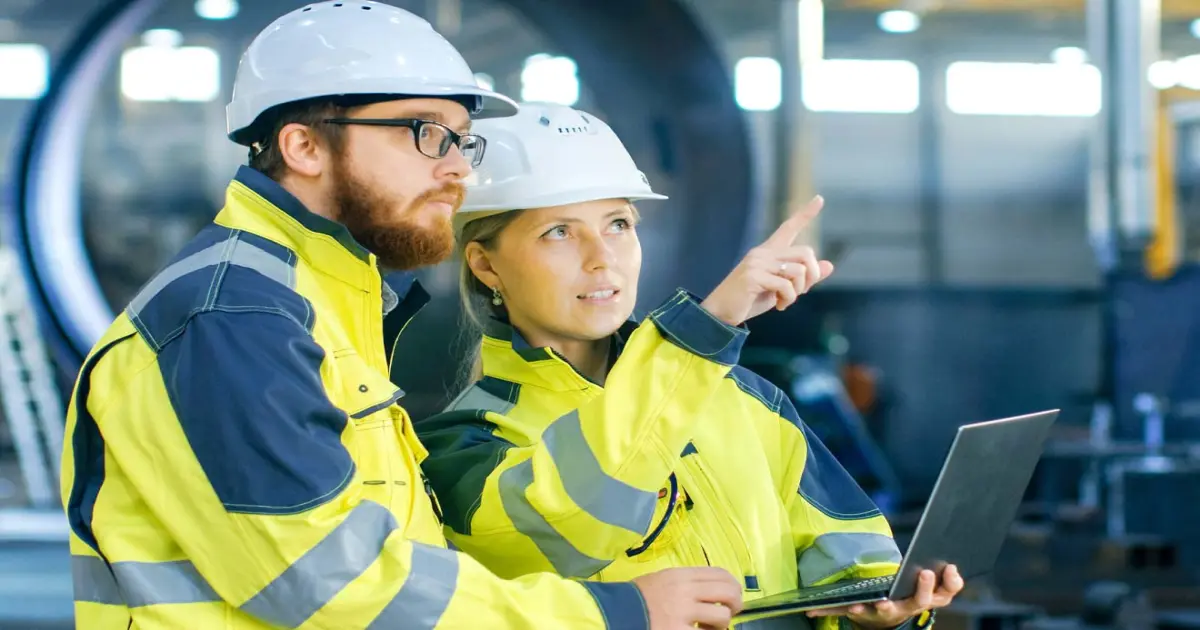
(732, 532)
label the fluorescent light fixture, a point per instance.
(879, 86)
(1023, 89)
(899, 21)
(24, 71)
(1187, 72)
(162, 37)
(216, 9)
(1195, 28)
(485, 81)
(1069, 55)
(550, 79)
(1163, 74)
(758, 83)
(190, 73)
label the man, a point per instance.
(236, 456)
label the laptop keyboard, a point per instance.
(857, 586)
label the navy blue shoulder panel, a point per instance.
(765, 391)
(221, 269)
(247, 390)
(825, 484)
(235, 347)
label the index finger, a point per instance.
(787, 232)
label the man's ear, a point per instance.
(301, 151)
(481, 265)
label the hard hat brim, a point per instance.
(468, 212)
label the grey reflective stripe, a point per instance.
(140, 583)
(343, 555)
(93, 581)
(380, 406)
(150, 583)
(476, 398)
(231, 250)
(425, 594)
(608, 500)
(831, 554)
(567, 560)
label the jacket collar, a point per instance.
(507, 355)
(258, 204)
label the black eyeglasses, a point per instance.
(433, 139)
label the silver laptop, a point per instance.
(965, 522)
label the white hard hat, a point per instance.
(549, 155)
(351, 48)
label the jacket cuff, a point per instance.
(922, 621)
(621, 604)
(688, 325)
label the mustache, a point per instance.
(452, 192)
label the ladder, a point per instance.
(32, 408)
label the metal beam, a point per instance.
(801, 42)
(1123, 37)
(1171, 9)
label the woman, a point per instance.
(595, 447)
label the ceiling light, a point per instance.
(1069, 55)
(216, 9)
(162, 38)
(1163, 74)
(899, 21)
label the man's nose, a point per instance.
(454, 165)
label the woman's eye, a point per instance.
(622, 225)
(556, 233)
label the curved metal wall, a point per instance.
(652, 70)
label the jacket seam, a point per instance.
(284, 510)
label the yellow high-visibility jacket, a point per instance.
(682, 458)
(236, 457)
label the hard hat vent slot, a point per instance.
(566, 131)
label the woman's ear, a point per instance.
(477, 259)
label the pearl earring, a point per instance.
(496, 299)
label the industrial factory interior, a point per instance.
(1011, 207)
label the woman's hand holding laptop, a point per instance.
(889, 614)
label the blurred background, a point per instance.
(1012, 200)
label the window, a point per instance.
(758, 83)
(24, 71)
(885, 86)
(1023, 89)
(550, 79)
(160, 73)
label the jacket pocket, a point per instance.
(366, 393)
(369, 399)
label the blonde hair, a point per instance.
(474, 295)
